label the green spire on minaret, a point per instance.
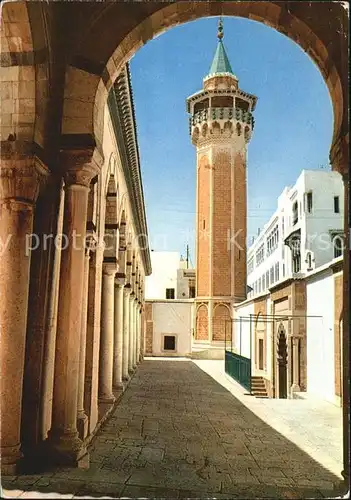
(220, 63)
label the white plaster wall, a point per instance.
(242, 342)
(164, 275)
(324, 186)
(172, 317)
(320, 335)
(183, 279)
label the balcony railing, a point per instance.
(222, 114)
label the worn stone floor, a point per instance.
(313, 424)
(177, 433)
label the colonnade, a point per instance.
(92, 342)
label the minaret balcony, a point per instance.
(212, 114)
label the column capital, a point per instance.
(119, 280)
(339, 155)
(109, 268)
(80, 166)
(21, 178)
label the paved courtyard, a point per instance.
(313, 424)
(177, 433)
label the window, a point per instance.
(295, 214)
(259, 285)
(192, 292)
(267, 279)
(272, 240)
(250, 265)
(296, 262)
(263, 282)
(277, 272)
(336, 205)
(309, 202)
(169, 343)
(272, 275)
(170, 293)
(309, 260)
(338, 246)
(260, 255)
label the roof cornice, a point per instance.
(121, 107)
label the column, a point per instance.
(20, 182)
(345, 352)
(131, 333)
(295, 382)
(126, 301)
(49, 351)
(138, 334)
(135, 358)
(339, 158)
(82, 418)
(118, 337)
(65, 447)
(107, 333)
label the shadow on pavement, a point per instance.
(177, 433)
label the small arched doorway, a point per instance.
(282, 352)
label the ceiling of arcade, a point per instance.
(79, 48)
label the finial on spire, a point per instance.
(220, 33)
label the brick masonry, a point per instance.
(221, 222)
(149, 328)
(221, 322)
(203, 221)
(202, 323)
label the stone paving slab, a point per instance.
(177, 433)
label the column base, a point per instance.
(126, 378)
(10, 460)
(118, 387)
(67, 450)
(110, 399)
(294, 388)
(82, 425)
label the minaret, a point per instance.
(221, 124)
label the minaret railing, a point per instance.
(222, 114)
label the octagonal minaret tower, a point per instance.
(221, 125)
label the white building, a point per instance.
(162, 283)
(170, 278)
(169, 293)
(305, 231)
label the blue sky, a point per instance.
(293, 120)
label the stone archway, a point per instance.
(98, 40)
(296, 22)
(201, 323)
(221, 323)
